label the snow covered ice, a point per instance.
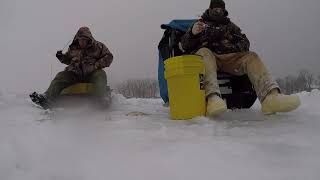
(86, 144)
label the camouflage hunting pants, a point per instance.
(65, 79)
(243, 63)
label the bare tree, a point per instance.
(281, 83)
(139, 88)
(305, 81)
(290, 82)
(301, 81)
(309, 81)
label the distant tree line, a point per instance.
(139, 88)
(304, 81)
(149, 88)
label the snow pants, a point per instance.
(65, 79)
(242, 63)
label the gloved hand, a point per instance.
(97, 65)
(74, 66)
(198, 28)
(59, 54)
(88, 69)
(215, 33)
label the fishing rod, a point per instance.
(51, 66)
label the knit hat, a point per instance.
(217, 4)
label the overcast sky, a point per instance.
(284, 33)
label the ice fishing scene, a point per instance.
(171, 89)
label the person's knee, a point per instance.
(208, 57)
(99, 74)
(63, 75)
(253, 58)
(253, 54)
(204, 52)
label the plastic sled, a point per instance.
(83, 93)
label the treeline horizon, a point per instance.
(149, 88)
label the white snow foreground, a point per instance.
(84, 144)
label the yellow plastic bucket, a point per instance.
(80, 88)
(185, 77)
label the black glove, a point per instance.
(214, 33)
(59, 54)
(88, 69)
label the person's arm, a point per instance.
(64, 58)
(106, 57)
(192, 38)
(242, 42)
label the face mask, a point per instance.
(216, 12)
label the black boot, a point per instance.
(41, 100)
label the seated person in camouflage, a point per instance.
(225, 48)
(85, 61)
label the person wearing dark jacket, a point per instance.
(85, 59)
(224, 47)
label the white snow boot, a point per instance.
(276, 102)
(215, 106)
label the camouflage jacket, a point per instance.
(85, 61)
(221, 36)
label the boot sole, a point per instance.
(217, 112)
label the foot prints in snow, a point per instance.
(136, 140)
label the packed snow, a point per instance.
(135, 139)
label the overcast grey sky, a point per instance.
(284, 33)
